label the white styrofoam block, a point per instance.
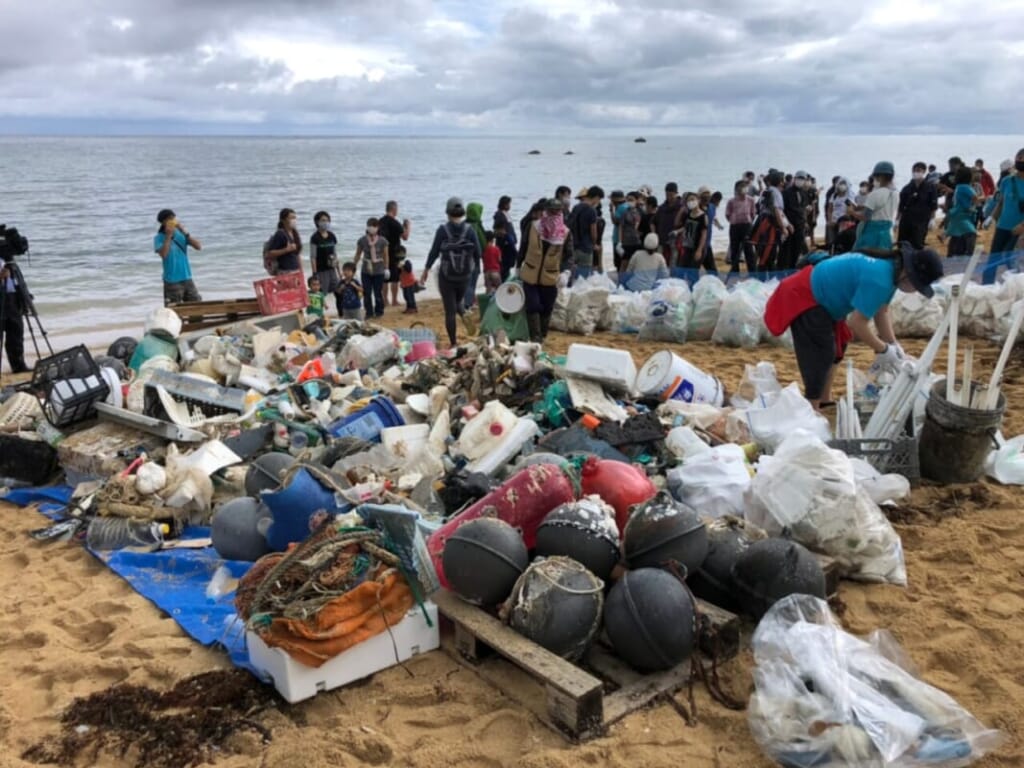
(613, 367)
(295, 681)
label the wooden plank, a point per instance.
(720, 631)
(643, 691)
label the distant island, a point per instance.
(533, 152)
(639, 140)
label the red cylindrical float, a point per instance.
(618, 484)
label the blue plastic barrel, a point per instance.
(367, 423)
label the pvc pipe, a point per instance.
(954, 325)
(997, 375)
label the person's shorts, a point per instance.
(492, 281)
(583, 258)
(178, 293)
(329, 281)
(396, 270)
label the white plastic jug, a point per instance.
(486, 430)
(363, 352)
(684, 443)
(510, 446)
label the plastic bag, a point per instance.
(713, 482)
(668, 313)
(627, 311)
(915, 316)
(759, 383)
(708, 295)
(741, 319)
(829, 699)
(1006, 465)
(784, 414)
(810, 491)
(560, 314)
(586, 305)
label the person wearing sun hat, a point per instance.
(828, 304)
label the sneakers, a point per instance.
(470, 323)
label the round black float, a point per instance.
(584, 530)
(123, 348)
(772, 569)
(265, 473)
(663, 530)
(235, 530)
(557, 604)
(649, 618)
(483, 559)
(728, 538)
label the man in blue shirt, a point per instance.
(171, 242)
(1009, 218)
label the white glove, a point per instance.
(931, 225)
(619, 250)
(387, 275)
(986, 223)
(888, 360)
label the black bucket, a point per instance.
(956, 441)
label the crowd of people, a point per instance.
(771, 221)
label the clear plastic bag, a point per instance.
(627, 311)
(810, 491)
(741, 319)
(828, 699)
(714, 482)
(586, 306)
(708, 295)
(783, 414)
(1006, 465)
(668, 313)
(759, 382)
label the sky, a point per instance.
(510, 66)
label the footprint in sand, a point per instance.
(107, 609)
(88, 636)
(27, 641)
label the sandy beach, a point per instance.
(73, 628)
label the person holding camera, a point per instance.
(172, 242)
(13, 328)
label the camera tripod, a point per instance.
(27, 308)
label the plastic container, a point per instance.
(163, 321)
(108, 533)
(152, 346)
(522, 501)
(405, 442)
(956, 441)
(73, 363)
(684, 443)
(281, 293)
(367, 423)
(486, 431)
(74, 400)
(292, 507)
(667, 376)
(613, 367)
(362, 352)
(421, 350)
(510, 298)
(511, 444)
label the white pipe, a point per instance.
(997, 375)
(963, 396)
(954, 325)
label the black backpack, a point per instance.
(458, 252)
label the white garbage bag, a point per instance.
(714, 482)
(826, 698)
(668, 313)
(741, 318)
(708, 295)
(759, 382)
(1006, 465)
(627, 311)
(781, 416)
(560, 314)
(914, 316)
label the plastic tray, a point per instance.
(282, 293)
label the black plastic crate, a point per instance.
(73, 363)
(897, 456)
(71, 384)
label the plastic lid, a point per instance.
(590, 422)
(496, 429)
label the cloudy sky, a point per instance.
(510, 66)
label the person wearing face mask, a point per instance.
(1009, 218)
(878, 212)
(372, 253)
(959, 224)
(629, 231)
(844, 226)
(692, 235)
(918, 202)
(286, 245)
(830, 230)
(671, 210)
(172, 242)
(323, 259)
(862, 192)
(794, 205)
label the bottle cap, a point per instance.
(590, 422)
(496, 429)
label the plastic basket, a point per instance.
(282, 293)
(73, 363)
(897, 456)
(412, 335)
(71, 384)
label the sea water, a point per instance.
(88, 205)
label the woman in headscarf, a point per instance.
(540, 266)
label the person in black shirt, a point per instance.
(947, 182)
(285, 244)
(323, 260)
(394, 232)
(918, 202)
(794, 202)
(508, 244)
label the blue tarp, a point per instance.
(175, 580)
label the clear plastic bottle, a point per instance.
(107, 533)
(49, 433)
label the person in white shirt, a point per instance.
(646, 267)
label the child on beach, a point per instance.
(351, 293)
(410, 286)
(492, 261)
(316, 298)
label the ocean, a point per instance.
(88, 204)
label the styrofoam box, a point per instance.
(295, 681)
(613, 367)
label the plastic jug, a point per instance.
(618, 484)
(367, 423)
(522, 501)
(511, 444)
(485, 431)
(363, 352)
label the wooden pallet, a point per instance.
(196, 315)
(580, 703)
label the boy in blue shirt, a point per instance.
(171, 242)
(350, 292)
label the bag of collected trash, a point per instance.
(741, 318)
(826, 698)
(1006, 464)
(599, 282)
(560, 314)
(668, 312)
(913, 315)
(759, 383)
(708, 295)
(781, 415)
(586, 305)
(627, 311)
(809, 491)
(765, 290)
(714, 482)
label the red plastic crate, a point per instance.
(282, 293)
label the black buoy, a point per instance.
(662, 530)
(235, 530)
(557, 603)
(123, 348)
(483, 559)
(772, 569)
(584, 530)
(728, 538)
(650, 620)
(265, 473)
(639, 140)
(533, 152)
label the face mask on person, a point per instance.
(841, 189)
(371, 230)
(691, 204)
(323, 225)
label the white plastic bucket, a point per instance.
(669, 377)
(509, 298)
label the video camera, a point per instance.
(12, 243)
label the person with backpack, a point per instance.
(540, 267)
(828, 304)
(281, 252)
(457, 249)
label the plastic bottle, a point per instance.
(486, 431)
(506, 449)
(107, 533)
(49, 433)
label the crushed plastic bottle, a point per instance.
(109, 533)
